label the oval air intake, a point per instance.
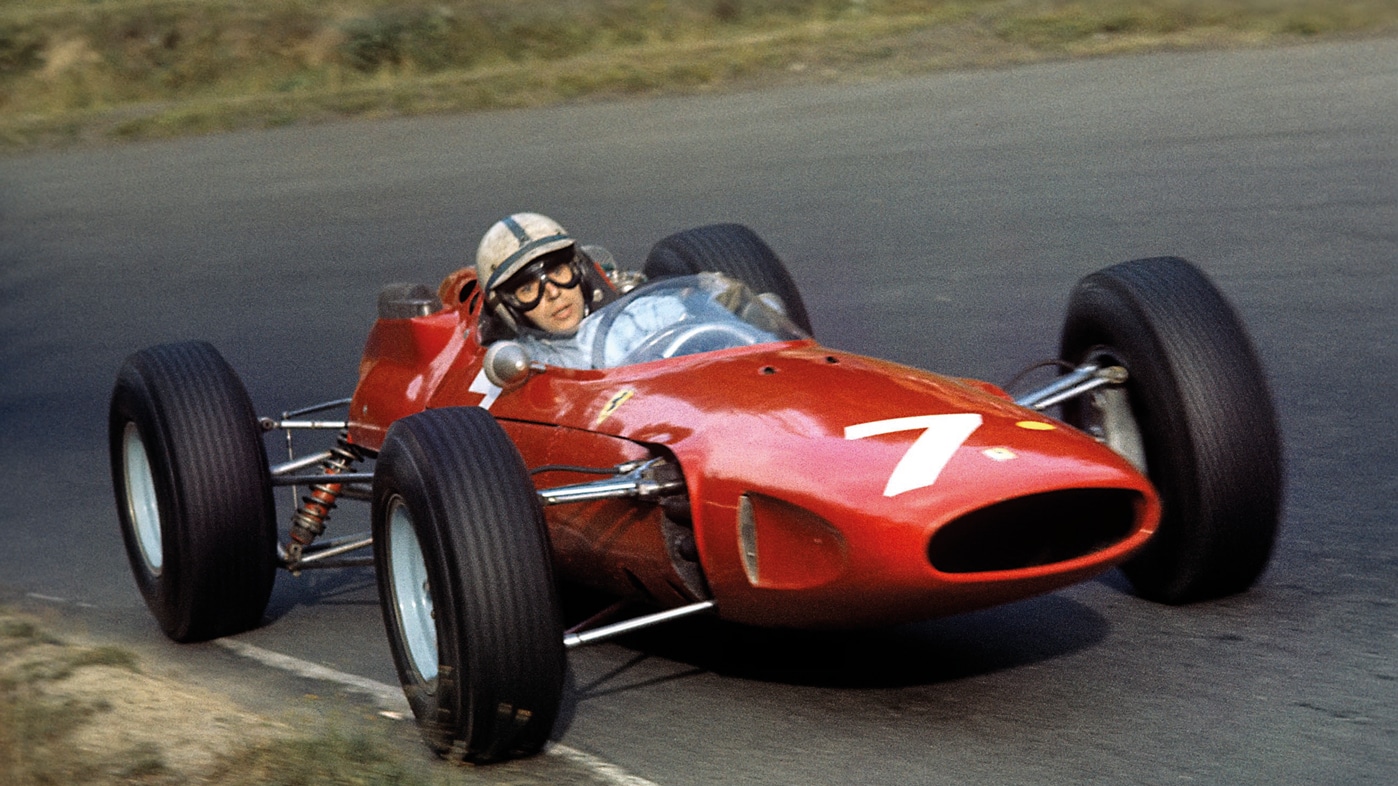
(1039, 529)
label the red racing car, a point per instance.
(727, 464)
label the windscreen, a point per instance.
(687, 315)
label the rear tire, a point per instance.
(735, 251)
(193, 492)
(1203, 418)
(466, 585)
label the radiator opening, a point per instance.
(1039, 529)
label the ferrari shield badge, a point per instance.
(613, 404)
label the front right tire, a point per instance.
(466, 585)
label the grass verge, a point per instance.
(81, 713)
(81, 71)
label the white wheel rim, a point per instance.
(142, 507)
(411, 593)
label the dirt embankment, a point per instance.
(79, 712)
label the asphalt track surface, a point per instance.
(937, 221)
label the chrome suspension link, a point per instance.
(575, 638)
(647, 480)
(1083, 379)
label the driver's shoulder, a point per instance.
(555, 350)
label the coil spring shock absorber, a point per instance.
(308, 522)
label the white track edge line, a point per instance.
(599, 768)
(390, 698)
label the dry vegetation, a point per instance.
(78, 713)
(87, 70)
(74, 712)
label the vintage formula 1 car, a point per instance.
(727, 465)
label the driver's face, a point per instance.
(559, 309)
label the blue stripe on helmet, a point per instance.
(515, 229)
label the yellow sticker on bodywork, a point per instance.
(1036, 425)
(613, 404)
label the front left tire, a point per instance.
(1195, 415)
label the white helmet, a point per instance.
(508, 247)
(513, 242)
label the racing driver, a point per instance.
(546, 291)
(540, 286)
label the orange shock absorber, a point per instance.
(308, 522)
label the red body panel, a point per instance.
(836, 521)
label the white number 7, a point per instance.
(486, 388)
(941, 436)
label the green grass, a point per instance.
(333, 757)
(93, 70)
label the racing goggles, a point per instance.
(525, 289)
